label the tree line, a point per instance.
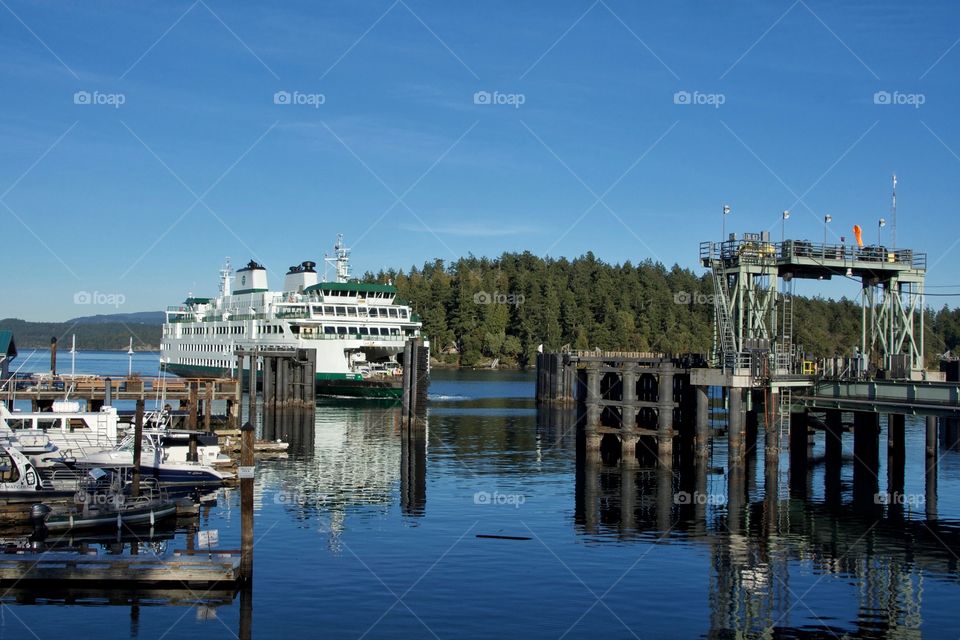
(480, 310)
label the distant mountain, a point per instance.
(106, 334)
(138, 317)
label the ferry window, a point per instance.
(373, 312)
(364, 331)
(403, 313)
(341, 311)
(329, 330)
(342, 330)
(394, 331)
(328, 311)
(352, 311)
(393, 313)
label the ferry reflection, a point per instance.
(347, 457)
(760, 546)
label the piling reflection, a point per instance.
(768, 552)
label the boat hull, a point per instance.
(327, 384)
(143, 516)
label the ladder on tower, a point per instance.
(783, 413)
(728, 343)
(785, 348)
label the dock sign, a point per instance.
(244, 473)
(208, 539)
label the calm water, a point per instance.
(364, 533)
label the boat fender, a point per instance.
(119, 522)
(152, 519)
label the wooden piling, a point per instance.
(866, 456)
(246, 473)
(207, 405)
(252, 390)
(592, 401)
(735, 427)
(665, 413)
(930, 466)
(192, 405)
(833, 456)
(799, 461)
(702, 430)
(896, 446)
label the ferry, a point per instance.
(358, 329)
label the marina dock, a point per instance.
(183, 569)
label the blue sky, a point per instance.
(181, 151)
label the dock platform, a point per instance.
(184, 569)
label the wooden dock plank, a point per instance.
(180, 569)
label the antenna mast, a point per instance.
(340, 260)
(225, 274)
(893, 210)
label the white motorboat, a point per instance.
(73, 432)
(156, 461)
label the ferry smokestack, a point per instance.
(53, 356)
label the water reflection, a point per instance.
(348, 456)
(773, 557)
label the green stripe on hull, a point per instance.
(327, 384)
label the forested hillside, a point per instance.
(479, 309)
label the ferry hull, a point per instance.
(327, 384)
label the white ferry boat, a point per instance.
(357, 328)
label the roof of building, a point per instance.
(7, 345)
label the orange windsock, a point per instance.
(858, 232)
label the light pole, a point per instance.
(726, 211)
(827, 219)
(880, 227)
(783, 226)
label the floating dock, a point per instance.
(183, 569)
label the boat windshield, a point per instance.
(127, 444)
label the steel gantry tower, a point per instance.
(753, 303)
